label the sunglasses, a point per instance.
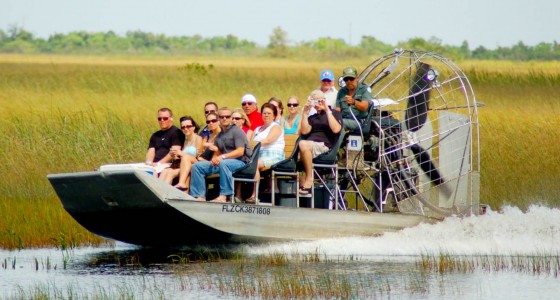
(211, 121)
(225, 117)
(348, 79)
(209, 111)
(162, 118)
(187, 126)
(237, 118)
(246, 103)
(292, 104)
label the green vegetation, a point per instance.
(18, 40)
(225, 274)
(66, 114)
(539, 264)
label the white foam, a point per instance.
(509, 232)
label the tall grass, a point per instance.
(66, 114)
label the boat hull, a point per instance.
(133, 207)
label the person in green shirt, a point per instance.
(355, 96)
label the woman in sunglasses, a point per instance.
(242, 121)
(293, 120)
(191, 149)
(205, 151)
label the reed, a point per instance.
(66, 114)
(538, 264)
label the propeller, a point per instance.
(416, 116)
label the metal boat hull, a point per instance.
(134, 207)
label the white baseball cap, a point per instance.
(248, 98)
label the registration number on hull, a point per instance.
(234, 208)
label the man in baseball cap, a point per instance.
(327, 87)
(355, 97)
(249, 104)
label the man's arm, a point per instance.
(334, 124)
(363, 100)
(168, 157)
(237, 153)
(339, 97)
(150, 155)
(361, 105)
(305, 128)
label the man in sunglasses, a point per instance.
(233, 153)
(355, 97)
(209, 107)
(162, 141)
(249, 104)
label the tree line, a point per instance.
(19, 40)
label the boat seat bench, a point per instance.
(290, 140)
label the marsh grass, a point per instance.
(295, 277)
(67, 114)
(538, 264)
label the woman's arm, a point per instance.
(198, 144)
(272, 136)
(298, 131)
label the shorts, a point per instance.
(318, 148)
(270, 157)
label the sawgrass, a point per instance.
(538, 264)
(66, 114)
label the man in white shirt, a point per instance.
(328, 89)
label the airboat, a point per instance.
(415, 160)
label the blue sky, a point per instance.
(489, 23)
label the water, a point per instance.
(510, 255)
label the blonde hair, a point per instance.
(243, 115)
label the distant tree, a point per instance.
(3, 36)
(372, 46)
(464, 50)
(18, 33)
(278, 42)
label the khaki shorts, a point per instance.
(318, 148)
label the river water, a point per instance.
(502, 255)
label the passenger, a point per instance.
(322, 130)
(207, 153)
(162, 141)
(233, 153)
(327, 87)
(278, 103)
(271, 137)
(355, 96)
(292, 121)
(240, 119)
(209, 107)
(191, 150)
(249, 104)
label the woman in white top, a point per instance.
(271, 137)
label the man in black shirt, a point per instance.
(167, 138)
(322, 130)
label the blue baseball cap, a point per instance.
(327, 74)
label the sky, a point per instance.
(488, 23)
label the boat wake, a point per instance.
(508, 232)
